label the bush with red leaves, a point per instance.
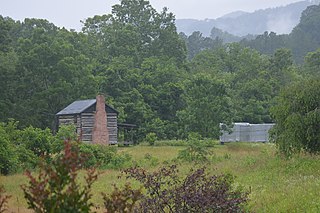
(197, 192)
(55, 188)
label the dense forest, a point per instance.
(166, 83)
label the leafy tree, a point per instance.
(8, 62)
(7, 27)
(305, 37)
(49, 73)
(151, 138)
(37, 140)
(267, 43)
(138, 56)
(137, 30)
(312, 64)
(197, 43)
(8, 155)
(21, 149)
(297, 118)
(196, 151)
(226, 37)
(207, 104)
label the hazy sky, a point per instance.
(68, 13)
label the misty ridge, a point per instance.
(239, 24)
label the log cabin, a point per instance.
(95, 121)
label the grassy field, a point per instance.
(276, 184)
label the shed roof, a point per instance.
(79, 106)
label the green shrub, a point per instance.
(196, 150)
(26, 158)
(104, 156)
(120, 161)
(98, 155)
(151, 138)
(148, 160)
(20, 149)
(8, 154)
(66, 132)
(37, 140)
(88, 151)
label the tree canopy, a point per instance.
(136, 57)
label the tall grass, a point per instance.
(276, 184)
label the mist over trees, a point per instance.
(304, 37)
(166, 83)
(239, 23)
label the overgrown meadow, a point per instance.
(173, 87)
(275, 184)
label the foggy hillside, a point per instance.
(280, 20)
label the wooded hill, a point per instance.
(304, 38)
(137, 59)
(280, 20)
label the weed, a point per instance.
(3, 200)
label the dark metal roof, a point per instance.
(77, 107)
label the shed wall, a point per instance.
(247, 133)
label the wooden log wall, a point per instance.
(84, 125)
(67, 119)
(87, 123)
(112, 124)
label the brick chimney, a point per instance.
(100, 133)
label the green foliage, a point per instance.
(136, 57)
(151, 138)
(26, 158)
(297, 118)
(56, 187)
(120, 161)
(197, 43)
(196, 150)
(37, 140)
(104, 156)
(45, 72)
(207, 104)
(303, 38)
(66, 132)
(267, 43)
(148, 160)
(312, 64)
(135, 29)
(8, 154)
